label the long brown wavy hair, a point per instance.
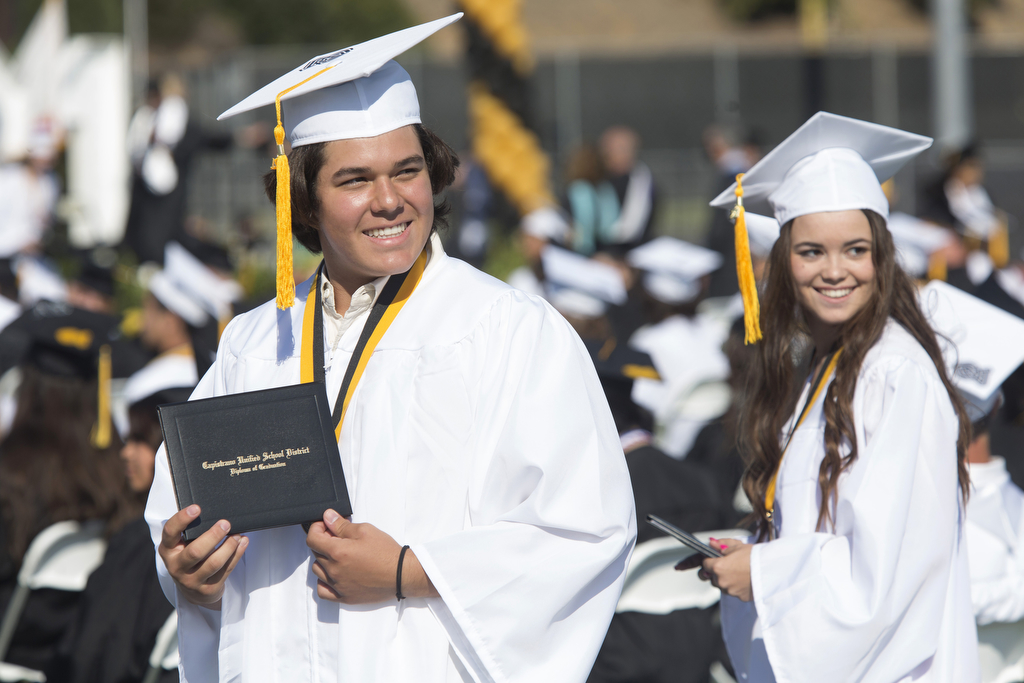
(772, 386)
(49, 470)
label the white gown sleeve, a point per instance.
(529, 589)
(872, 596)
(198, 627)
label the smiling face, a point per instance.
(376, 206)
(833, 270)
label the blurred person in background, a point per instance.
(537, 230)
(164, 141)
(957, 199)
(686, 346)
(60, 459)
(634, 188)
(471, 196)
(92, 287)
(28, 195)
(677, 647)
(123, 606)
(590, 200)
(729, 157)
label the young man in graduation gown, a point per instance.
(477, 436)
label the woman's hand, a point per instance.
(357, 563)
(200, 568)
(730, 573)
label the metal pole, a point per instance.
(885, 90)
(951, 75)
(568, 105)
(136, 36)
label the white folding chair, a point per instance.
(165, 652)
(62, 557)
(1001, 650)
(653, 586)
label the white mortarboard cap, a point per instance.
(546, 223)
(981, 343)
(578, 285)
(212, 292)
(355, 92)
(673, 268)
(177, 298)
(830, 163)
(169, 371)
(916, 240)
(763, 232)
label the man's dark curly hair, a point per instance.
(306, 161)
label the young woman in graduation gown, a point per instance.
(478, 436)
(858, 568)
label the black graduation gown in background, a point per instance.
(121, 612)
(678, 647)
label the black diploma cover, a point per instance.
(258, 459)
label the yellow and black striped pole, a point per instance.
(502, 142)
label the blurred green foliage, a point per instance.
(258, 22)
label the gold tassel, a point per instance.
(937, 269)
(999, 246)
(101, 430)
(285, 268)
(745, 271)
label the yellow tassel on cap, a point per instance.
(745, 271)
(283, 202)
(100, 436)
(999, 246)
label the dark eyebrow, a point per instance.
(354, 170)
(816, 245)
(365, 170)
(408, 161)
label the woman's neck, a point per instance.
(824, 337)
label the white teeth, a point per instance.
(393, 231)
(836, 293)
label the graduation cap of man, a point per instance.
(354, 92)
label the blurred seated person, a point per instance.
(988, 350)
(582, 290)
(60, 460)
(184, 307)
(123, 607)
(590, 200)
(538, 229)
(680, 646)
(686, 346)
(92, 288)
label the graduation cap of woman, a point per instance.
(355, 92)
(830, 163)
(63, 341)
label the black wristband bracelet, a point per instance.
(398, 577)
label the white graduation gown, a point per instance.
(886, 596)
(479, 435)
(995, 514)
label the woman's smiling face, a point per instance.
(833, 269)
